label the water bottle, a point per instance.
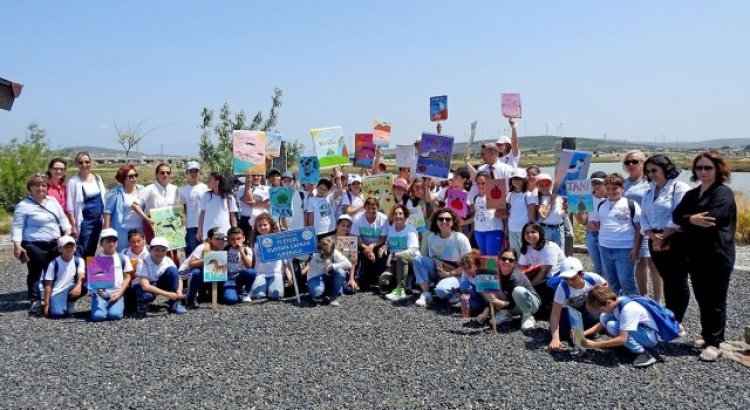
(465, 305)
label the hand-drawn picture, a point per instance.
(365, 147)
(330, 146)
(168, 223)
(215, 266)
(248, 152)
(439, 108)
(434, 158)
(309, 170)
(511, 105)
(381, 135)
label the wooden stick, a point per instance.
(214, 295)
(494, 320)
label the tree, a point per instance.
(18, 161)
(129, 137)
(293, 152)
(218, 155)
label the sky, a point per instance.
(637, 70)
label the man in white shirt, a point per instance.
(190, 196)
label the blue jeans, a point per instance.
(334, 282)
(58, 303)
(228, 288)
(619, 270)
(514, 240)
(637, 341)
(191, 242)
(592, 244)
(102, 309)
(271, 286)
(425, 272)
(168, 281)
(489, 242)
(555, 234)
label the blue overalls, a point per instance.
(91, 223)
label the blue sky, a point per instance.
(636, 70)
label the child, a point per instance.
(592, 233)
(269, 279)
(193, 265)
(109, 303)
(239, 267)
(631, 325)
(158, 276)
(136, 252)
(343, 228)
(550, 210)
(327, 269)
(63, 280)
(470, 264)
(522, 207)
(488, 223)
(319, 210)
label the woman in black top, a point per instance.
(708, 216)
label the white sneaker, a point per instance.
(71, 308)
(528, 323)
(334, 303)
(503, 317)
(424, 299)
(36, 307)
(246, 298)
(397, 295)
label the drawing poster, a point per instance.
(573, 165)
(456, 200)
(281, 201)
(365, 150)
(511, 105)
(308, 171)
(496, 193)
(169, 223)
(439, 108)
(580, 195)
(576, 325)
(347, 245)
(215, 266)
(100, 272)
(434, 157)
(273, 144)
(380, 187)
(248, 152)
(330, 146)
(416, 219)
(406, 157)
(381, 135)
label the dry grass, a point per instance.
(743, 218)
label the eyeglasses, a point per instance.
(165, 173)
(652, 170)
(705, 168)
(133, 176)
(506, 259)
(631, 162)
(83, 162)
(444, 219)
(40, 175)
(58, 169)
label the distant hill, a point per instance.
(107, 152)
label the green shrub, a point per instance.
(18, 161)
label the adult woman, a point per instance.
(118, 212)
(218, 207)
(372, 229)
(160, 194)
(662, 197)
(635, 187)
(56, 187)
(85, 205)
(540, 260)
(38, 222)
(708, 218)
(402, 246)
(442, 264)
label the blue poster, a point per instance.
(309, 170)
(572, 165)
(281, 201)
(434, 157)
(288, 244)
(487, 283)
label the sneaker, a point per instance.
(396, 295)
(71, 308)
(335, 302)
(178, 309)
(424, 299)
(36, 307)
(247, 298)
(141, 309)
(503, 317)
(317, 299)
(528, 323)
(192, 304)
(454, 299)
(644, 360)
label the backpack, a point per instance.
(631, 207)
(667, 327)
(76, 261)
(566, 288)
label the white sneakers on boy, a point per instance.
(246, 298)
(528, 322)
(396, 295)
(424, 299)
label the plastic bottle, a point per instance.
(465, 305)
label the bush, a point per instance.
(18, 161)
(742, 237)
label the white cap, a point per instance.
(64, 240)
(518, 173)
(108, 233)
(160, 241)
(543, 177)
(354, 178)
(503, 140)
(570, 267)
(345, 217)
(241, 180)
(192, 165)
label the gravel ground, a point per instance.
(364, 354)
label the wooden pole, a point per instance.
(214, 295)
(494, 320)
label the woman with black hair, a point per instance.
(661, 199)
(540, 260)
(218, 207)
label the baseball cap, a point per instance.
(598, 176)
(400, 183)
(354, 178)
(345, 217)
(570, 267)
(217, 234)
(160, 241)
(518, 173)
(192, 165)
(108, 233)
(543, 177)
(503, 140)
(64, 240)
(287, 174)
(273, 172)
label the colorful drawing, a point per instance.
(308, 171)
(169, 223)
(281, 201)
(416, 219)
(496, 193)
(573, 165)
(381, 134)
(347, 245)
(487, 265)
(380, 187)
(100, 272)
(287, 244)
(511, 105)
(439, 108)
(434, 158)
(487, 283)
(330, 146)
(406, 157)
(456, 200)
(580, 195)
(248, 152)
(215, 268)
(273, 144)
(576, 326)
(365, 155)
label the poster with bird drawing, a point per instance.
(248, 152)
(215, 266)
(330, 146)
(434, 157)
(168, 222)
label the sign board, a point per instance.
(287, 244)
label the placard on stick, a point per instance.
(330, 146)
(248, 152)
(511, 103)
(439, 108)
(381, 135)
(434, 158)
(308, 171)
(573, 165)
(580, 195)
(365, 150)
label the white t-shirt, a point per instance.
(557, 213)
(267, 269)
(191, 196)
(577, 297)
(370, 233)
(484, 219)
(632, 315)
(498, 170)
(157, 196)
(196, 255)
(355, 201)
(152, 270)
(91, 188)
(317, 265)
(519, 209)
(450, 249)
(299, 202)
(130, 219)
(406, 239)
(511, 159)
(616, 230)
(550, 254)
(234, 262)
(250, 211)
(216, 211)
(119, 269)
(66, 273)
(130, 255)
(322, 210)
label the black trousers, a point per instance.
(40, 253)
(710, 285)
(672, 267)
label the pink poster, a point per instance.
(456, 200)
(381, 135)
(511, 105)
(248, 152)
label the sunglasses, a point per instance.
(443, 219)
(133, 176)
(632, 162)
(58, 169)
(83, 162)
(165, 173)
(706, 168)
(506, 259)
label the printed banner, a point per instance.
(100, 272)
(380, 187)
(456, 200)
(347, 245)
(281, 201)
(496, 193)
(365, 150)
(439, 108)
(573, 165)
(382, 133)
(273, 144)
(287, 244)
(406, 157)
(308, 171)
(434, 159)
(416, 219)
(576, 324)
(330, 146)
(248, 152)
(511, 105)
(580, 195)
(169, 223)
(215, 267)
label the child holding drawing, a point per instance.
(192, 268)
(343, 228)
(327, 271)
(109, 303)
(488, 223)
(269, 276)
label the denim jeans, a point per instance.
(619, 270)
(477, 302)
(58, 303)
(425, 272)
(527, 303)
(191, 242)
(592, 244)
(637, 341)
(514, 240)
(168, 281)
(333, 282)
(102, 309)
(270, 286)
(489, 242)
(555, 234)
(228, 289)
